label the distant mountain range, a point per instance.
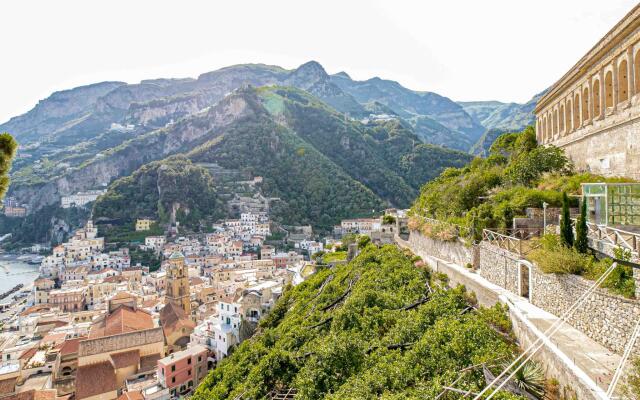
(331, 135)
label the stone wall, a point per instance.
(606, 318)
(455, 251)
(499, 266)
(108, 344)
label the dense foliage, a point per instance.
(581, 242)
(566, 226)
(168, 190)
(8, 147)
(490, 192)
(554, 257)
(51, 224)
(348, 333)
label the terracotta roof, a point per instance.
(150, 302)
(33, 394)
(54, 338)
(125, 359)
(149, 363)
(70, 346)
(196, 280)
(7, 386)
(29, 353)
(95, 379)
(122, 320)
(135, 395)
(36, 308)
(173, 318)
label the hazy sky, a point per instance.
(466, 50)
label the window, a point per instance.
(173, 379)
(173, 368)
(189, 361)
(199, 358)
(189, 372)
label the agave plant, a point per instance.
(530, 378)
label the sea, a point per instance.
(14, 272)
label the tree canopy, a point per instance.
(8, 147)
(367, 329)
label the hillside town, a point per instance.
(93, 325)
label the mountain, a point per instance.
(435, 118)
(498, 118)
(60, 111)
(321, 166)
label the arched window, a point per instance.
(585, 104)
(561, 119)
(636, 67)
(623, 82)
(608, 89)
(576, 111)
(596, 98)
(568, 118)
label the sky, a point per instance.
(502, 50)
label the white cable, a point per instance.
(551, 331)
(623, 361)
(554, 327)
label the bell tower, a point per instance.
(178, 283)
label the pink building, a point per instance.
(181, 372)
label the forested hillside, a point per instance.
(376, 328)
(169, 190)
(320, 165)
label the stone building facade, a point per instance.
(593, 111)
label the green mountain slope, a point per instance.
(320, 165)
(344, 334)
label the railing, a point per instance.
(615, 237)
(519, 245)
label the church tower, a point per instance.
(178, 283)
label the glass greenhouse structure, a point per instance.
(613, 204)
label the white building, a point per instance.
(80, 199)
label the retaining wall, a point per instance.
(606, 318)
(455, 251)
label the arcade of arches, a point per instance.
(593, 111)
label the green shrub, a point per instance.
(561, 260)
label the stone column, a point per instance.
(603, 98)
(590, 100)
(614, 89)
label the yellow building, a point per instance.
(143, 224)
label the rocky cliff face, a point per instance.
(124, 159)
(57, 110)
